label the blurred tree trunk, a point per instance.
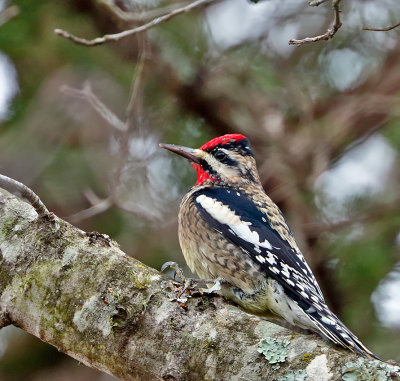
(80, 293)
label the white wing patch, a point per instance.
(224, 215)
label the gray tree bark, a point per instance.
(80, 293)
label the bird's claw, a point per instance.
(216, 287)
(199, 284)
(192, 284)
(174, 266)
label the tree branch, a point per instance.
(15, 186)
(329, 33)
(130, 32)
(382, 29)
(80, 293)
(8, 14)
(86, 93)
(316, 3)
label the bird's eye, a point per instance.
(219, 155)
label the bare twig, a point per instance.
(87, 94)
(92, 211)
(315, 3)
(15, 186)
(8, 13)
(99, 205)
(130, 32)
(329, 33)
(136, 83)
(382, 29)
(92, 197)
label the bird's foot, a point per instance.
(177, 270)
(191, 286)
(201, 286)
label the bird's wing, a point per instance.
(240, 221)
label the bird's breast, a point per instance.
(209, 254)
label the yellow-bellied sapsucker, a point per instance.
(230, 230)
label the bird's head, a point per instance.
(227, 159)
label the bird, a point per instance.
(230, 230)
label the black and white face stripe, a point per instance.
(226, 164)
(208, 168)
(242, 147)
(222, 155)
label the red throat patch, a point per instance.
(202, 175)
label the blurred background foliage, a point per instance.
(80, 125)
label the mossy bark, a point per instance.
(80, 293)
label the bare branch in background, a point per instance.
(124, 161)
(98, 207)
(329, 33)
(8, 13)
(87, 94)
(140, 15)
(315, 3)
(131, 32)
(382, 29)
(15, 186)
(92, 197)
(136, 83)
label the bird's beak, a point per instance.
(191, 154)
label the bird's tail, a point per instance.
(329, 325)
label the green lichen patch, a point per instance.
(294, 375)
(364, 370)
(4, 277)
(7, 228)
(141, 279)
(274, 350)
